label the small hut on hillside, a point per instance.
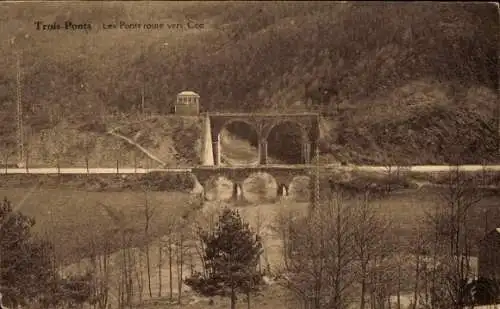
(188, 104)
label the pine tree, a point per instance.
(232, 252)
(27, 270)
(23, 266)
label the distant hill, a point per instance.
(408, 82)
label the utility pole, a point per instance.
(143, 88)
(316, 191)
(20, 131)
(142, 97)
(498, 127)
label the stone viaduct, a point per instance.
(308, 124)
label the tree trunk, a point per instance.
(124, 274)
(138, 277)
(249, 291)
(105, 284)
(170, 267)
(160, 265)
(147, 214)
(130, 290)
(233, 298)
(191, 264)
(363, 286)
(180, 261)
(120, 298)
(148, 263)
(417, 278)
(141, 280)
(399, 285)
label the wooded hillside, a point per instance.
(408, 82)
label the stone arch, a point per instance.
(252, 157)
(303, 130)
(304, 142)
(300, 187)
(258, 190)
(218, 129)
(213, 192)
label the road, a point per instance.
(128, 170)
(79, 170)
(427, 168)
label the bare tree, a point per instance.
(452, 239)
(282, 225)
(100, 261)
(168, 243)
(418, 266)
(160, 267)
(368, 240)
(170, 265)
(58, 147)
(180, 253)
(125, 287)
(6, 156)
(258, 231)
(321, 255)
(381, 281)
(137, 269)
(148, 214)
(86, 146)
(399, 274)
(170, 250)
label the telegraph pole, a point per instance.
(316, 191)
(20, 130)
(315, 183)
(142, 98)
(498, 127)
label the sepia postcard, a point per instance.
(249, 154)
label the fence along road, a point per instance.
(131, 170)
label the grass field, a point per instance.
(72, 217)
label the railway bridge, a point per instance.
(262, 124)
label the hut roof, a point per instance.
(188, 93)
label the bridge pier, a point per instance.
(202, 195)
(217, 151)
(238, 191)
(263, 152)
(306, 153)
(282, 191)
